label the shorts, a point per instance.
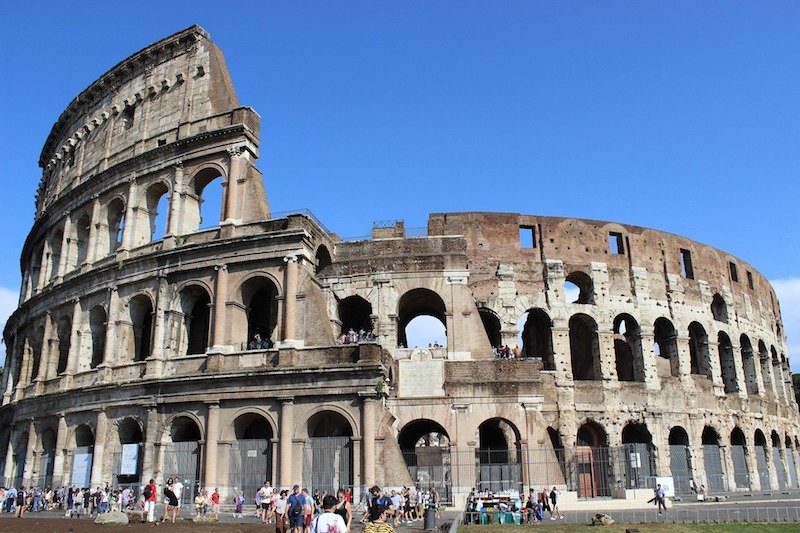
(265, 505)
(308, 520)
(297, 520)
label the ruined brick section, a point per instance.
(219, 346)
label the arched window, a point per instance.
(48, 458)
(141, 309)
(426, 310)
(777, 460)
(203, 205)
(762, 459)
(584, 348)
(260, 297)
(666, 344)
(64, 333)
(719, 309)
(425, 445)
(727, 363)
(628, 349)
(157, 199)
(97, 327)
(355, 314)
(196, 308)
(749, 365)
(82, 231)
(82, 457)
(36, 269)
(322, 259)
(55, 253)
(491, 325)
(37, 344)
(182, 453)
(578, 288)
(115, 217)
(537, 337)
(698, 350)
(766, 367)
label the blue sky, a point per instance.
(681, 116)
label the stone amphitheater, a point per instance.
(152, 342)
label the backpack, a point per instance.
(296, 508)
(148, 492)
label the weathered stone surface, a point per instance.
(112, 517)
(602, 520)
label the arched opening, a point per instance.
(322, 260)
(36, 269)
(355, 314)
(766, 368)
(637, 443)
(250, 463)
(666, 348)
(698, 350)
(203, 207)
(82, 231)
(37, 343)
(777, 461)
(628, 349)
(760, 443)
(727, 363)
(82, 457)
(182, 453)
(64, 333)
(584, 348)
(157, 200)
(55, 253)
(741, 476)
(554, 455)
(260, 297)
(719, 310)
(196, 309)
(499, 456)
(19, 458)
(414, 305)
(128, 459)
(48, 458)
(141, 309)
(115, 218)
(578, 288)
(789, 452)
(328, 453)
(593, 464)
(777, 373)
(787, 380)
(426, 449)
(748, 365)
(537, 337)
(491, 325)
(680, 461)
(713, 460)
(97, 329)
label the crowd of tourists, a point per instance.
(531, 511)
(354, 337)
(74, 501)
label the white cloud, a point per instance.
(788, 291)
(9, 298)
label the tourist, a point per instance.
(660, 497)
(239, 501)
(308, 511)
(215, 503)
(395, 499)
(149, 493)
(125, 498)
(328, 520)
(22, 504)
(377, 520)
(199, 503)
(343, 508)
(79, 501)
(281, 518)
(170, 501)
(177, 488)
(554, 512)
(295, 506)
(544, 498)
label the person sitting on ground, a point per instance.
(328, 520)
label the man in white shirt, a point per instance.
(323, 523)
(177, 489)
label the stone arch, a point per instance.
(229, 432)
(762, 459)
(355, 313)
(330, 445)
(47, 458)
(259, 294)
(36, 346)
(582, 282)
(422, 432)
(129, 436)
(698, 350)
(130, 430)
(111, 239)
(498, 455)
(156, 199)
(727, 363)
(537, 337)
(638, 443)
(64, 335)
(183, 427)
(713, 459)
(182, 452)
(141, 308)
(741, 475)
(83, 227)
(55, 242)
(322, 260)
(628, 349)
(678, 436)
(666, 346)
(491, 326)
(415, 303)
(593, 471)
(193, 201)
(250, 461)
(98, 321)
(680, 461)
(719, 309)
(748, 364)
(584, 348)
(195, 302)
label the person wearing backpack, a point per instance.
(295, 506)
(328, 521)
(149, 494)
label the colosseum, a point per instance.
(152, 342)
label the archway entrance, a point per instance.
(250, 463)
(593, 466)
(426, 450)
(739, 455)
(260, 297)
(498, 456)
(639, 461)
(128, 460)
(777, 461)
(328, 453)
(182, 454)
(713, 460)
(680, 463)
(760, 443)
(789, 452)
(415, 306)
(82, 457)
(48, 459)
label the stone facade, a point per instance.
(214, 354)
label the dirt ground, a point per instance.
(63, 525)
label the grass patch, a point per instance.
(738, 527)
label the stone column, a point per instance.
(150, 444)
(290, 300)
(48, 359)
(286, 431)
(65, 242)
(232, 186)
(9, 467)
(175, 201)
(60, 451)
(111, 357)
(130, 216)
(368, 415)
(155, 363)
(43, 268)
(212, 434)
(99, 449)
(220, 297)
(30, 457)
(94, 232)
(75, 339)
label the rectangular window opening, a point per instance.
(162, 142)
(616, 243)
(750, 279)
(527, 237)
(127, 117)
(734, 272)
(686, 264)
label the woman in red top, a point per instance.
(215, 503)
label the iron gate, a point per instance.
(639, 468)
(182, 460)
(779, 470)
(713, 464)
(496, 472)
(592, 471)
(429, 466)
(250, 465)
(681, 468)
(792, 471)
(328, 463)
(763, 470)
(740, 474)
(46, 467)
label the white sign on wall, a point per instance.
(130, 460)
(81, 469)
(667, 484)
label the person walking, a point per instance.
(215, 503)
(281, 518)
(343, 508)
(554, 512)
(295, 507)
(660, 496)
(150, 493)
(328, 521)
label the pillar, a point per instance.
(111, 356)
(9, 468)
(65, 242)
(101, 430)
(368, 414)
(290, 300)
(159, 326)
(220, 297)
(30, 457)
(175, 200)
(212, 433)
(60, 451)
(150, 444)
(130, 215)
(285, 451)
(75, 338)
(48, 359)
(232, 185)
